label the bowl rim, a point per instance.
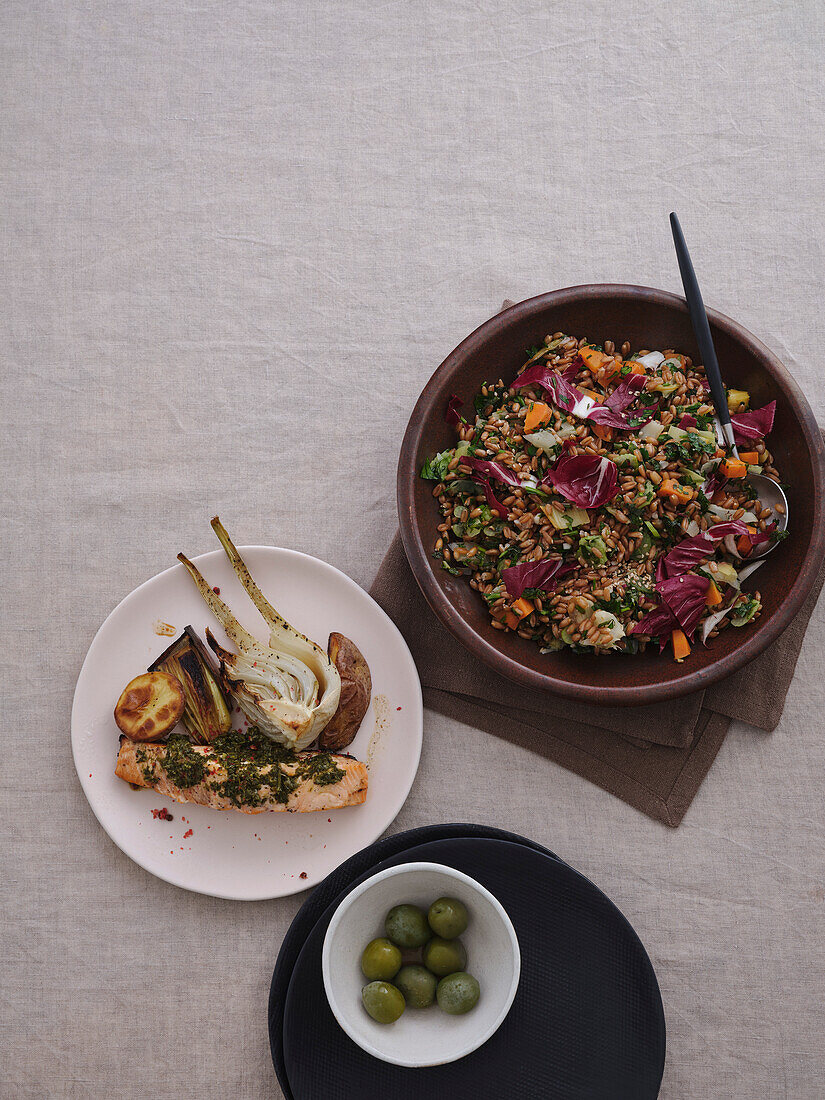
(326, 964)
(615, 695)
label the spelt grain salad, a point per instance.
(591, 506)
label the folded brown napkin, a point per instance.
(653, 757)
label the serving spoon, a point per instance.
(770, 494)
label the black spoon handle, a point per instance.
(701, 330)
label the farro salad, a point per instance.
(591, 503)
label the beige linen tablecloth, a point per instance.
(237, 238)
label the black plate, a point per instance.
(587, 1021)
(347, 875)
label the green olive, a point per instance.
(417, 984)
(406, 925)
(457, 993)
(443, 957)
(381, 960)
(383, 1002)
(448, 918)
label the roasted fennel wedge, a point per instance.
(290, 689)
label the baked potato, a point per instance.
(356, 690)
(150, 706)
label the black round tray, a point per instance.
(347, 874)
(588, 1010)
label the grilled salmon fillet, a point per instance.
(299, 783)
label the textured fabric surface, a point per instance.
(237, 238)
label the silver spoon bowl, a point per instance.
(770, 495)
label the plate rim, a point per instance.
(418, 716)
(555, 859)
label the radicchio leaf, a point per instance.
(452, 415)
(685, 555)
(734, 527)
(626, 392)
(714, 483)
(565, 395)
(496, 470)
(492, 500)
(658, 623)
(535, 574)
(482, 471)
(687, 421)
(754, 424)
(588, 481)
(685, 596)
(691, 551)
(571, 399)
(610, 414)
(601, 414)
(542, 374)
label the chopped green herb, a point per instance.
(592, 549)
(744, 610)
(184, 766)
(688, 449)
(435, 469)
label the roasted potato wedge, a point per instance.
(150, 706)
(356, 689)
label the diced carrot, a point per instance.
(603, 432)
(537, 414)
(714, 596)
(734, 468)
(522, 607)
(593, 394)
(592, 358)
(744, 545)
(636, 367)
(676, 492)
(751, 457)
(681, 646)
(512, 620)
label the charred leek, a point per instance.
(205, 713)
(290, 688)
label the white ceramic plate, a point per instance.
(229, 854)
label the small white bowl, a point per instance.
(426, 1036)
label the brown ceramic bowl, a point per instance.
(647, 318)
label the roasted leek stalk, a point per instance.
(206, 713)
